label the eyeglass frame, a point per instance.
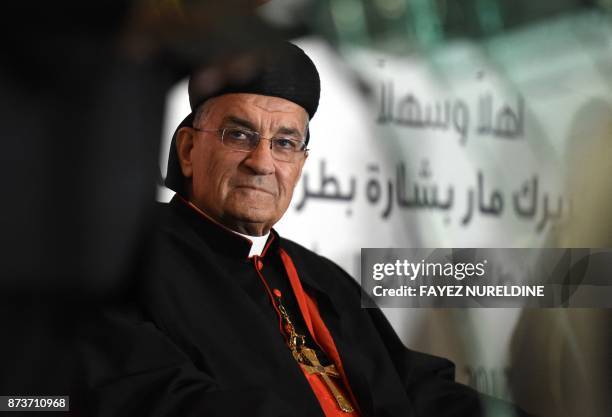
(222, 135)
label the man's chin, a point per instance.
(247, 203)
(251, 215)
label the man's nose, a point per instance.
(260, 160)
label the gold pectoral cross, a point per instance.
(307, 358)
(311, 364)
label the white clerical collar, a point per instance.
(259, 243)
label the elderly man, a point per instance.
(236, 320)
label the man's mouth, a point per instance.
(255, 188)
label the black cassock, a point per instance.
(203, 338)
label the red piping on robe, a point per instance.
(319, 332)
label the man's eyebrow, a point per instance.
(285, 130)
(238, 121)
(289, 131)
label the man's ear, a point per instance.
(184, 146)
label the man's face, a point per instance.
(248, 192)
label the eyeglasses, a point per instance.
(244, 140)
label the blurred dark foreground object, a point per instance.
(82, 99)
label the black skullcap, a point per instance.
(284, 71)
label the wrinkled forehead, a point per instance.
(258, 110)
